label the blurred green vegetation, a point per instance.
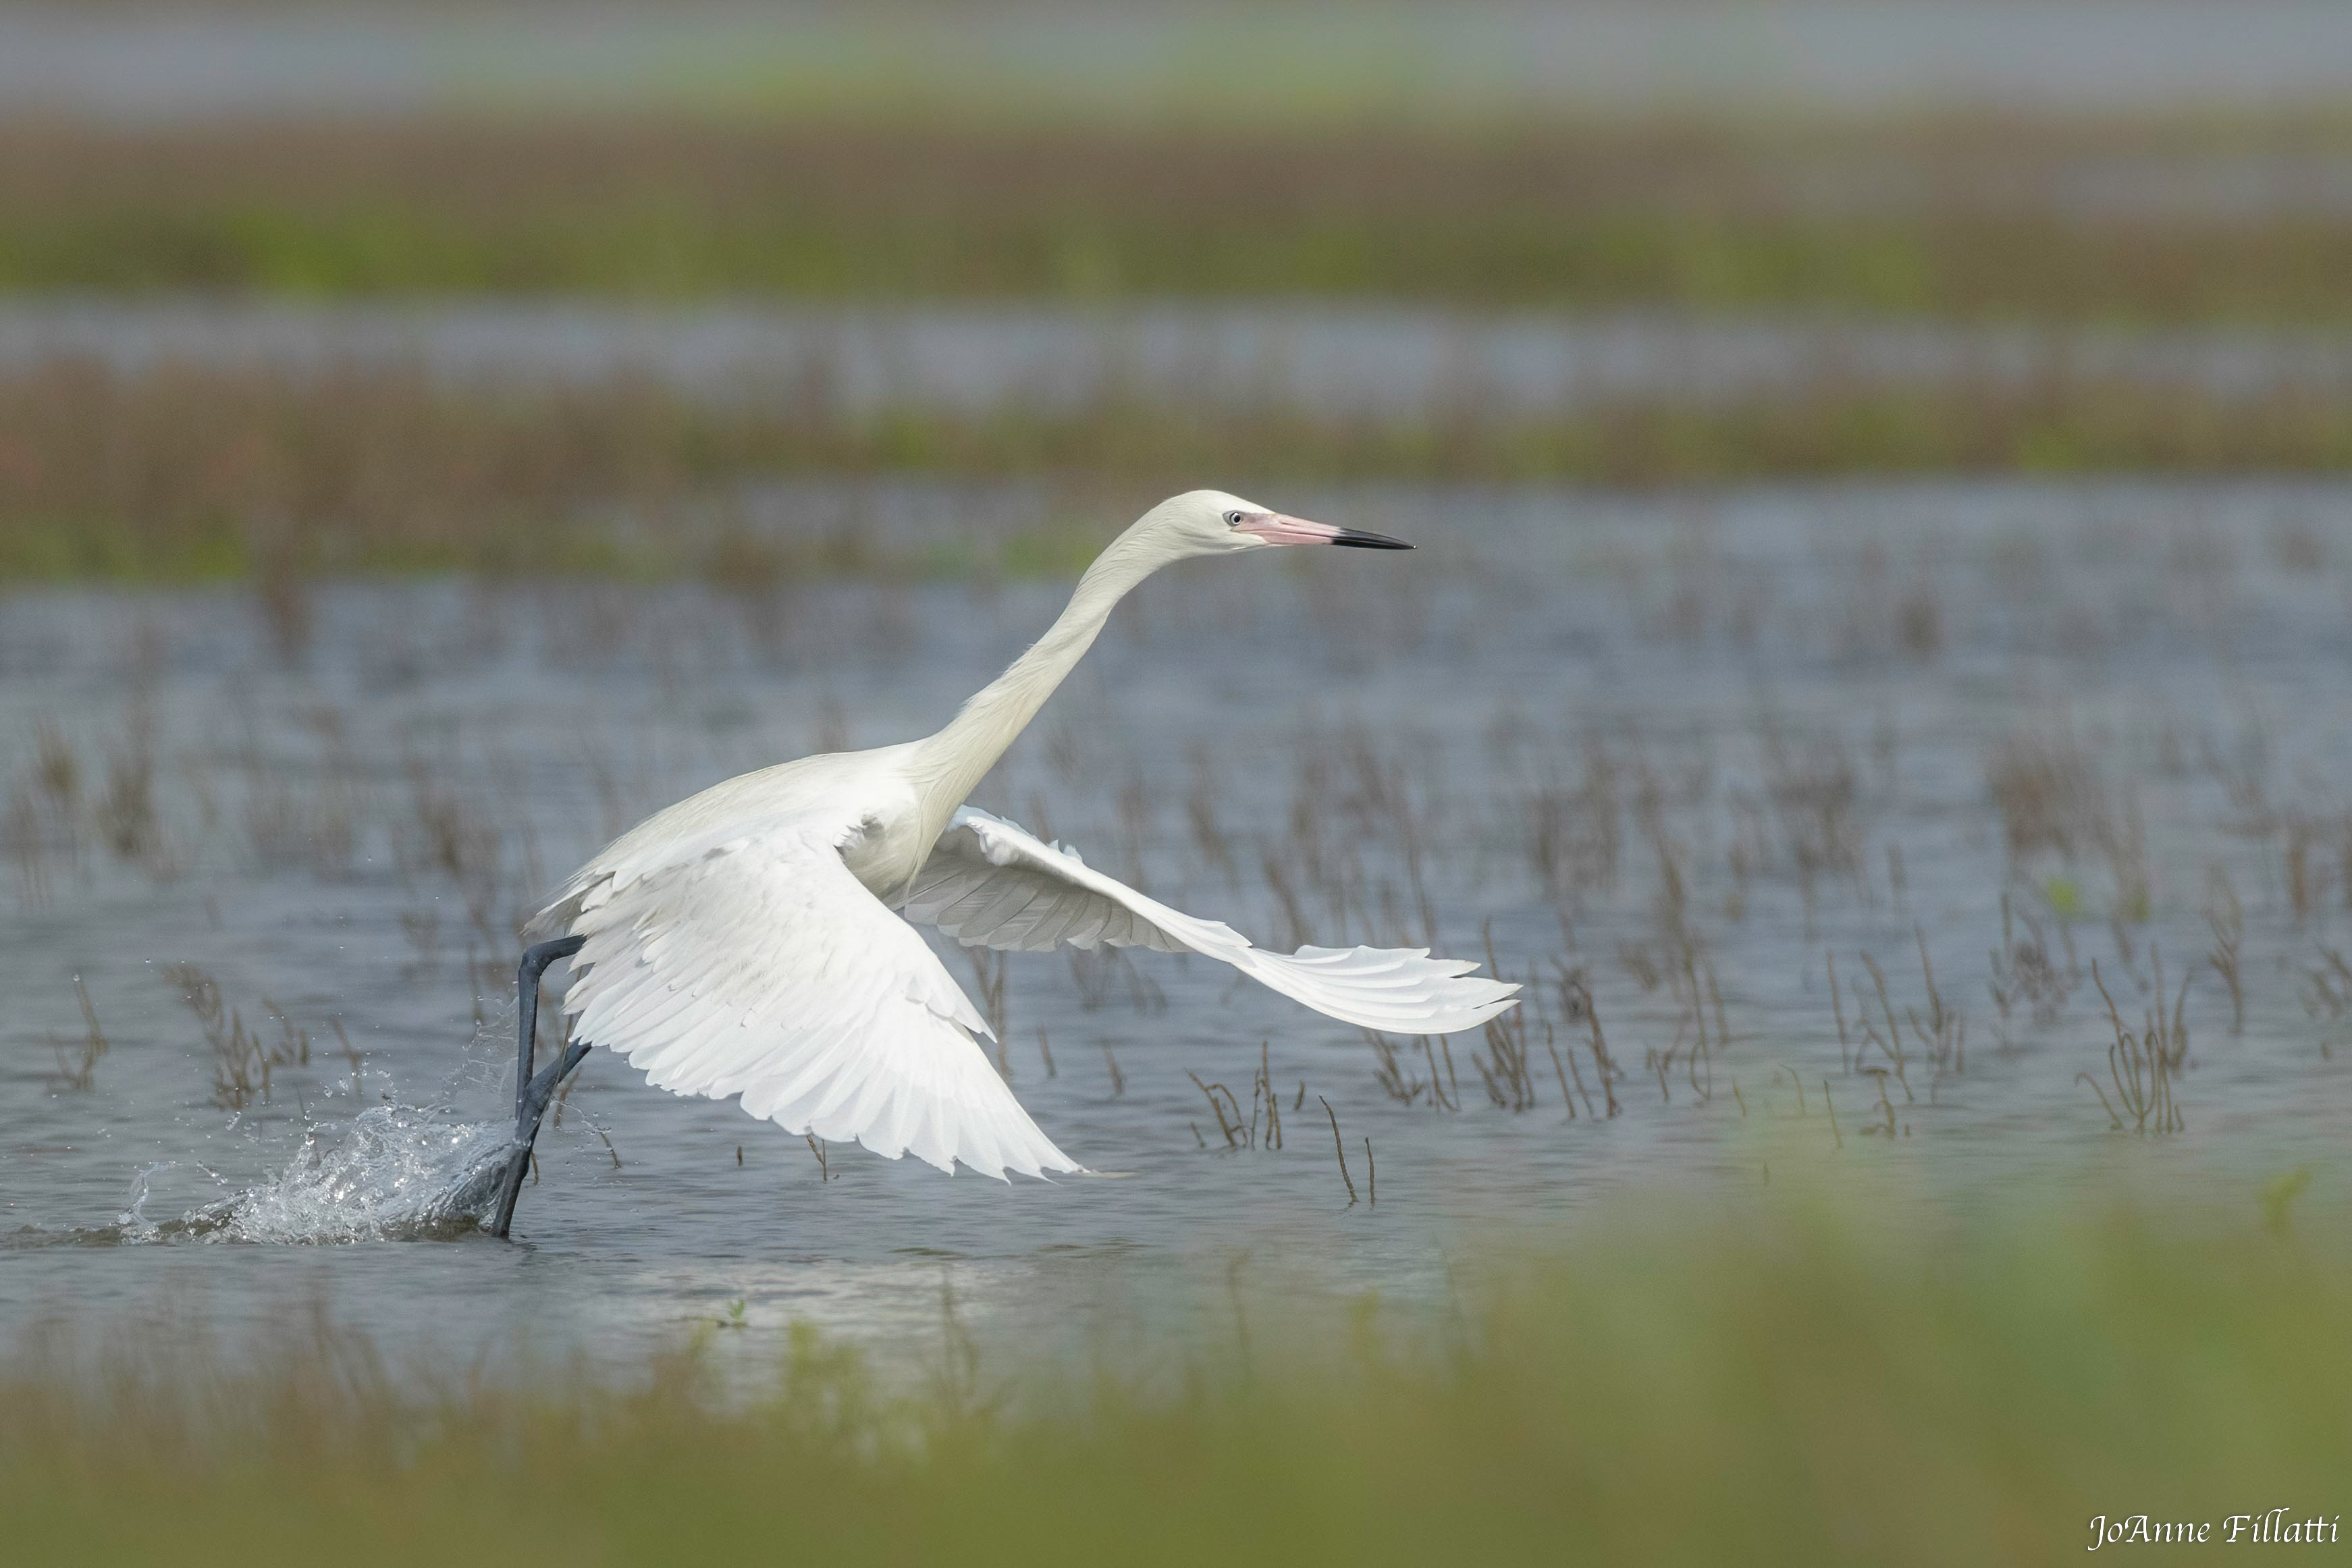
(184, 472)
(1781, 1384)
(180, 472)
(1972, 218)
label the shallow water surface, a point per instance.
(1272, 62)
(1376, 360)
(1672, 754)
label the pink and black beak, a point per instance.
(1276, 529)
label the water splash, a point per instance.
(394, 1173)
(397, 1173)
(132, 1223)
(390, 1173)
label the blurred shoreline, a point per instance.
(1977, 217)
(186, 472)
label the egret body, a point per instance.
(741, 943)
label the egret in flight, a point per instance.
(741, 945)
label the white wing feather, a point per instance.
(752, 962)
(990, 883)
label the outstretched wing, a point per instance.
(754, 964)
(992, 883)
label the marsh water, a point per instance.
(1125, 59)
(1325, 360)
(1670, 753)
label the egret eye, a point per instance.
(1233, 519)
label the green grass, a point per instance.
(2042, 267)
(1965, 218)
(1775, 1386)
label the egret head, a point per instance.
(1211, 522)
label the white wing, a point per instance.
(992, 883)
(752, 962)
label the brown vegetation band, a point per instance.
(1961, 217)
(184, 472)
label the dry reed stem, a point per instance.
(1340, 1148)
(77, 1058)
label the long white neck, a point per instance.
(950, 763)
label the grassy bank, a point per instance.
(1780, 1387)
(1976, 217)
(187, 473)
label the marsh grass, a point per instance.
(2143, 1067)
(1261, 1129)
(1961, 215)
(182, 472)
(2053, 798)
(77, 1058)
(1786, 1385)
(2025, 974)
(242, 1060)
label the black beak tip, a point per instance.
(1357, 539)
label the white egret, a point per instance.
(741, 945)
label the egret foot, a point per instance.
(532, 1092)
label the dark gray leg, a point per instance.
(532, 1092)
